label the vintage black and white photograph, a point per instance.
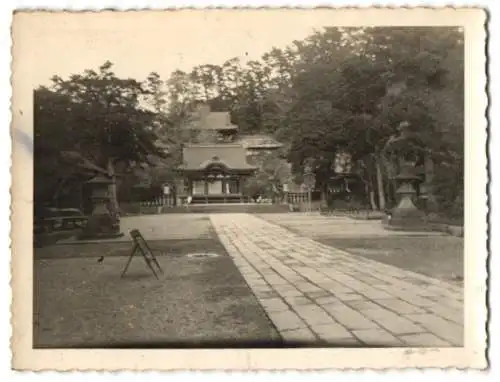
(205, 183)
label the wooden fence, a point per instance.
(162, 201)
(300, 201)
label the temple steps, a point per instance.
(219, 199)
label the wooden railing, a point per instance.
(162, 201)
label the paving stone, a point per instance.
(296, 279)
(361, 305)
(333, 333)
(422, 302)
(380, 274)
(399, 306)
(447, 303)
(409, 296)
(289, 293)
(260, 268)
(376, 337)
(313, 314)
(349, 317)
(349, 296)
(426, 292)
(298, 300)
(266, 294)
(251, 271)
(442, 328)
(458, 295)
(357, 285)
(336, 288)
(423, 340)
(314, 276)
(292, 278)
(392, 322)
(267, 272)
(368, 279)
(257, 282)
(374, 294)
(261, 287)
(298, 335)
(327, 300)
(286, 320)
(307, 287)
(318, 294)
(273, 304)
(454, 315)
(282, 268)
(263, 250)
(440, 290)
(416, 281)
(275, 280)
(398, 285)
(285, 287)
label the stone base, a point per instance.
(406, 220)
(99, 236)
(101, 226)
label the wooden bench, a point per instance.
(61, 223)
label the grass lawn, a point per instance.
(198, 302)
(441, 257)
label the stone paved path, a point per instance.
(316, 293)
(317, 226)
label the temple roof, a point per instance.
(259, 141)
(199, 157)
(205, 119)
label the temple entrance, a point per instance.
(213, 173)
(215, 187)
(198, 187)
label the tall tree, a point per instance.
(108, 126)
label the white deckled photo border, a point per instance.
(472, 355)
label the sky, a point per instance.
(137, 44)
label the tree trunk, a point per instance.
(429, 182)
(112, 187)
(372, 201)
(380, 183)
(370, 195)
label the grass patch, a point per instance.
(198, 302)
(441, 257)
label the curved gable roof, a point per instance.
(198, 157)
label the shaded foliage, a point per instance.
(338, 89)
(91, 122)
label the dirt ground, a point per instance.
(197, 302)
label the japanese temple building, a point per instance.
(213, 173)
(212, 170)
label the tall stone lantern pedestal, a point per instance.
(406, 216)
(102, 223)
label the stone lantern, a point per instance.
(405, 216)
(103, 223)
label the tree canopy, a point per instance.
(338, 89)
(91, 122)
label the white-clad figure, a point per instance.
(189, 199)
